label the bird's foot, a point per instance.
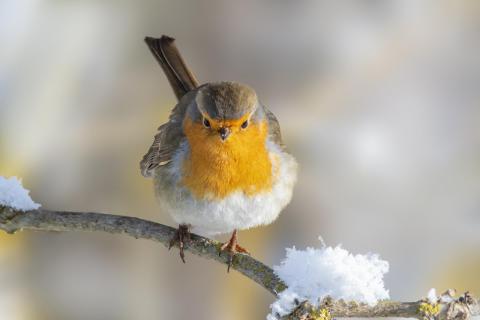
(232, 248)
(182, 237)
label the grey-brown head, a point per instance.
(223, 106)
(226, 100)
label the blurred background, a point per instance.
(378, 100)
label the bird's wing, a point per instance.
(274, 128)
(167, 140)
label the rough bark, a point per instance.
(462, 308)
(47, 220)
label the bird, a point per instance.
(219, 163)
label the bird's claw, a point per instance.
(232, 248)
(182, 237)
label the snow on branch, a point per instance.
(46, 220)
(309, 284)
(13, 195)
(314, 274)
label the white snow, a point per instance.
(284, 304)
(13, 195)
(432, 296)
(312, 274)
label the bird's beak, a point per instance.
(224, 133)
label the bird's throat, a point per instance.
(215, 169)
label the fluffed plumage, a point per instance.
(219, 163)
(239, 188)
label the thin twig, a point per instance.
(463, 308)
(47, 220)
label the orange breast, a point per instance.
(215, 169)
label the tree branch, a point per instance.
(48, 220)
(459, 309)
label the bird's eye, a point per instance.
(206, 123)
(245, 124)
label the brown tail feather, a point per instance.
(178, 74)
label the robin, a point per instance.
(219, 164)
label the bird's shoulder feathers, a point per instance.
(168, 138)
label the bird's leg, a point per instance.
(232, 248)
(181, 236)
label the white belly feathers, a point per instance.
(235, 211)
